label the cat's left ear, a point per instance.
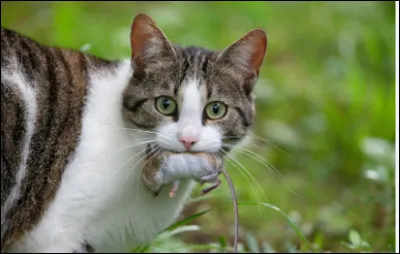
(149, 44)
(247, 54)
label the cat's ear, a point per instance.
(247, 54)
(148, 42)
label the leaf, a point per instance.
(291, 224)
(319, 239)
(241, 248)
(188, 219)
(204, 197)
(350, 246)
(86, 47)
(266, 248)
(178, 230)
(354, 237)
(222, 244)
(141, 249)
(252, 243)
(290, 247)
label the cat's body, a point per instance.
(101, 135)
(75, 128)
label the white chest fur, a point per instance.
(101, 199)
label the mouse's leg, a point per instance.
(215, 184)
(175, 186)
(211, 178)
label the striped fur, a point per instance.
(62, 111)
(42, 96)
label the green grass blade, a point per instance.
(188, 219)
(291, 224)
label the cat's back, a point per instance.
(19, 51)
(43, 91)
(37, 63)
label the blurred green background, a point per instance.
(325, 126)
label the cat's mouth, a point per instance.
(154, 149)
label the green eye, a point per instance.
(215, 110)
(166, 105)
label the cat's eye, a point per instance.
(215, 110)
(166, 105)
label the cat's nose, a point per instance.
(188, 142)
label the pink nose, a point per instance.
(188, 142)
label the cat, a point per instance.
(76, 129)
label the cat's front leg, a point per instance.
(171, 167)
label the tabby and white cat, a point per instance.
(75, 132)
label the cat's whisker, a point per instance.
(246, 174)
(133, 167)
(267, 164)
(140, 152)
(242, 170)
(239, 170)
(249, 174)
(252, 154)
(136, 144)
(209, 142)
(166, 139)
(128, 146)
(233, 163)
(265, 141)
(151, 156)
(268, 142)
(162, 137)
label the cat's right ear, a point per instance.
(149, 45)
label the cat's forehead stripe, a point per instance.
(192, 88)
(194, 66)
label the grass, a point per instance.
(325, 102)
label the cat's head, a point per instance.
(194, 99)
